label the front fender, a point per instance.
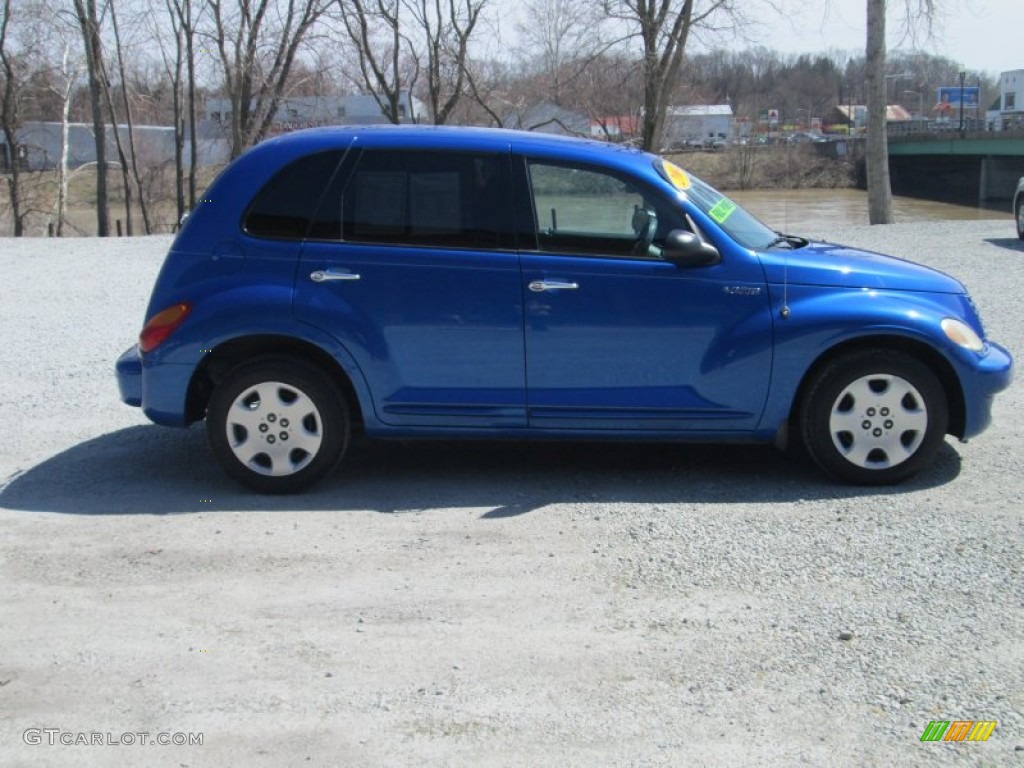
(821, 319)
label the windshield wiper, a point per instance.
(793, 241)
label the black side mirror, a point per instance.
(685, 249)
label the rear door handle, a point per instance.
(324, 276)
(539, 286)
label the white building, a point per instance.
(1008, 112)
(697, 122)
(40, 145)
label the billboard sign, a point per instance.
(950, 94)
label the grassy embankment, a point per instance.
(770, 167)
(40, 198)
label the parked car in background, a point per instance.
(681, 145)
(1018, 207)
(474, 283)
(807, 137)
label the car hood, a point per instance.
(828, 264)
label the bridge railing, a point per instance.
(948, 126)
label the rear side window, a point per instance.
(284, 208)
(433, 199)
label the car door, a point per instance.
(616, 337)
(411, 266)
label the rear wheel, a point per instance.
(1020, 218)
(874, 417)
(277, 426)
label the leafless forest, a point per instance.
(141, 63)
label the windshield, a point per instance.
(740, 225)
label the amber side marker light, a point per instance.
(161, 325)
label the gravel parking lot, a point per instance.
(488, 605)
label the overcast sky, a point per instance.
(986, 35)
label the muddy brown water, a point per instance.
(788, 209)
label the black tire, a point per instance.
(874, 417)
(288, 446)
(1019, 215)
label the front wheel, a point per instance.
(1020, 219)
(874, 417)
(277, 426)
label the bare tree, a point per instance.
(126, 182)
(174, 68)
(180, 67)
(610, 91)
(187, 15)
(490, 86)
(11, 121)
(663, 28)
(877, 160)
(257, 47)
(381, 50)
(560, 40)
(89, 25)
(396, 42)
(445, 29)
(69, 72)
(131, 162)
(53, 70)
(879, 187)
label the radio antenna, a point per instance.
(784, 310)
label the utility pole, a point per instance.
(962, 76)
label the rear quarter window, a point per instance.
(283, 209)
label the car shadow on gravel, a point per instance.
(152, 470)
(1010, 243)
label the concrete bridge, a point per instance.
(968, 167)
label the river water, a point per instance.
(787, 209)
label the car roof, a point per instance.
(471, 138)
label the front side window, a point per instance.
(736, 222)
(587, 211)
(433, 199)
(740, 225)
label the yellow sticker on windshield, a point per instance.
(722, 210)
(676, 175)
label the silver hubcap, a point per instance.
(274, 428)
(1020, 218)
(878, 421)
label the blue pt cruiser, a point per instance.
(453, 282)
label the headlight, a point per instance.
(961, 334)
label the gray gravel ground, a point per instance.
(496, 604)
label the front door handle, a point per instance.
(539, 286)
(323, 276)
